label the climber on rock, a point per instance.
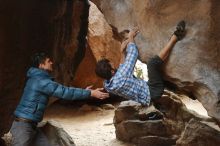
(39, 87)
(122, 82)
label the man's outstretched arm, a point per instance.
(55, 89)
(129, 62)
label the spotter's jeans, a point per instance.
(27, 134)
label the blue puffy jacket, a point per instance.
(39, 87)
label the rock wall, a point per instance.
(85, 74)
(58, 27)
(194, 63)
(103, 42)
(101, 38)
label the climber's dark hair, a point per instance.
(104, 69)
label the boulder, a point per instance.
(108, 107)
(53, 131)
(193, 65)
(101, 38)
(56, 134)
(199, 133)
(129, 130)
(156, 141)
(102, 43)
(132, 122)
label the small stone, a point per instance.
(107, 107)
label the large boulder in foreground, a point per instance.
(178, 125)
(53, 131)
(194, 63)
(199, 134)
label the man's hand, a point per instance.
(132, 34)
(134, 31)
(97, 93)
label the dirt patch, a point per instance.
(87, 126)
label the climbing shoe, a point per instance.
(154, 116)
(180, 30)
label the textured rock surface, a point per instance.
(199, 134)
(54, 132)
(56, 135)
(132, 124)
(194, 64)
(156, 141)
(102, 42)
(57, 27)
(101, 37)
(85, 74)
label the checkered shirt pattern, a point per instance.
(125, 84)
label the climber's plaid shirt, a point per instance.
(124, 84)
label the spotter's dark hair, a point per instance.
(38, 58)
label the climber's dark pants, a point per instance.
(155, 82)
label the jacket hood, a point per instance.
(36, 72)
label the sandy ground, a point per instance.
(194, 105)
(92, 125)
(87, 127)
